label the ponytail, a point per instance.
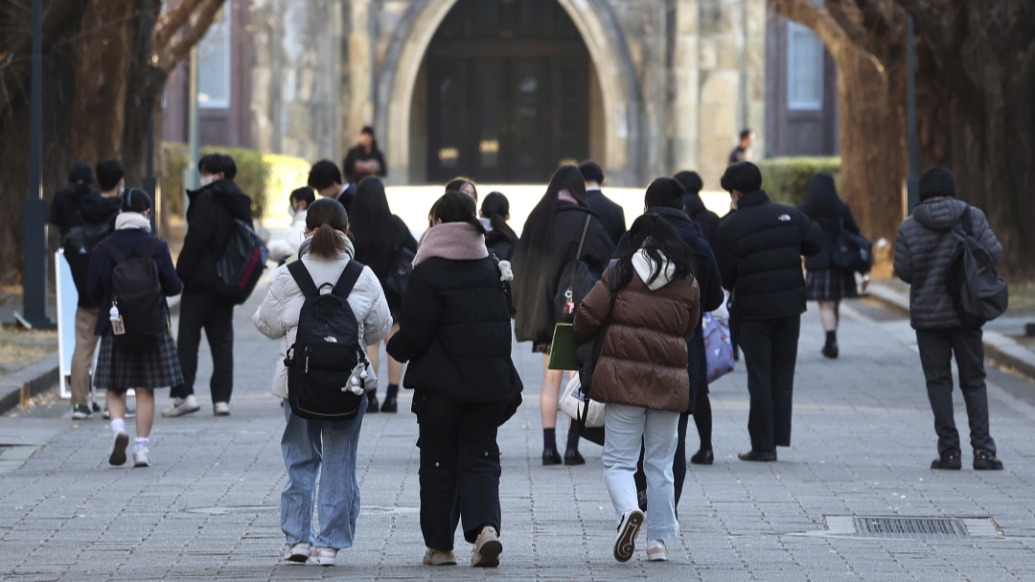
(456, 207)
(329, 219)
(326, 243)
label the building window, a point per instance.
(804, 69)
(214, 63)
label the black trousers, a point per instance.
(459, 468)
(770, 352)
(213, 314)
(937, 348)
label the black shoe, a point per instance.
(641, 500)
(703, 457)
(984, 461)
(950, 462)
(372, 405)
(830, 351)
(762, 456)
(551, 457)
(390, 404)
(573, 458)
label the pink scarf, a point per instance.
(458, 241)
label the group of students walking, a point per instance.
(452, 325)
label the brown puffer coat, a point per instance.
(643, 358)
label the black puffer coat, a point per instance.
(210, 217)
(759, 249)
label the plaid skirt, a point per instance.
(830, 284)
(120, 370)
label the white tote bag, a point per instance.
(576, 404)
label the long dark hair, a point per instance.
(329, 218)
(821, 200)
(457, 183)
(373, 225)
(653, 234)
(456, 206)
(539, 226)
(496, 207)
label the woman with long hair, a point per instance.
(650, 311)
(825, 282)
(313, 448)
(499, 237)
(464, 185)
(455, 334)
(125, 362)
(380, 236)
(548, 243)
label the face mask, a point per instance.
(206, 180)
(122, 188)
(291, 210)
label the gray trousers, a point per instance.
(937, 348)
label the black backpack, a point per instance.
(978, 293)
(137, 293)
(240, 266)
(327, 350)
(77, 245)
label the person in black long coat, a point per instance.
(824, 282)
(455, 333)
(499, 237)
(548, 243)
(380, 236)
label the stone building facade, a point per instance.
(645, 87)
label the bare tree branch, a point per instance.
(175, 49)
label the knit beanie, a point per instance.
(742, 176)
(937, 181)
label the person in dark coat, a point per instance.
(548, 243)
(924, 251)
(455, 334)
(664, 198)
(611, 215)
(119, 366)
(825, 282)
(707, 221)
(759, 251)
(64, 207)
(380, 236)
(325, 178)
(365, 158)
(499, 237)
(210, 219)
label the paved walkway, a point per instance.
(863, 439)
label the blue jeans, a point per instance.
(625, 427)
(327, 449)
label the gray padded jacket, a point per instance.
(923, 251)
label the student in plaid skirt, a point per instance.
(120, 368)
(824, 282)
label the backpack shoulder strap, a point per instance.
(968, 226)
(348, 278)
(117, 256)
(303, 279)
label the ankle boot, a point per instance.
(372, 404)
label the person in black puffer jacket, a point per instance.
(210, 218)
(759, 251)
(455, 333)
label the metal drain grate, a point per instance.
(911, 527)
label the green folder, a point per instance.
(562, 348)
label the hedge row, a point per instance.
(787, 179)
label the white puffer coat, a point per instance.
(277, 316)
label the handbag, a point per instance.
(398, 278)
(718, 346)
(563, 348)
(852, 252)
(579, 406)
(575, 281)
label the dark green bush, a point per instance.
(252, 175)
(787, 179)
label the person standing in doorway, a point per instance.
(210, 218)
(364, 159)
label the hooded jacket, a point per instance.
(923, 251)
(210, 217)
(643, 356)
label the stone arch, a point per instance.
(607, 49)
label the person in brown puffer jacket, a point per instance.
(641, 374)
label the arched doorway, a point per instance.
(507, 92)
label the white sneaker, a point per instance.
(142, 458)
(221, 409)
(625, 543)
(182, 406)
(298, 552)
(117, 454)
(657, 551)
(322, 556)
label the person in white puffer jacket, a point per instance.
(307, 444)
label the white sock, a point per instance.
(141, 443)
(118, 425)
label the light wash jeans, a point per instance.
(625, 427)
(327, 449)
